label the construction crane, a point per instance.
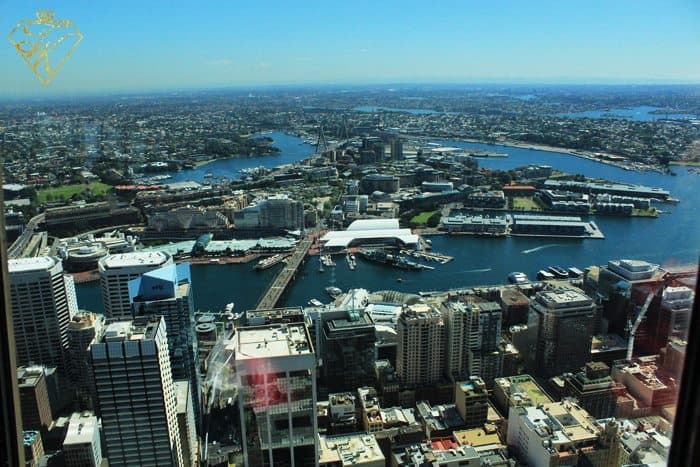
(638, 321)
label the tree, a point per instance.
(434, 220)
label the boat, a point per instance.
(575, 272)
(266, 263)
(208, 175)
(544, 275)
(314, 302)
(399, 279)
(517, 278)
(326, 260)
(333, 291)
(559, 272)
(381, 257)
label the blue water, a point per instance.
(642, 113)
(292, 149)
(672, 238)
(374, 108)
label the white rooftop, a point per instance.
(272, 341)
(40, 263)
(135, 259)
(374, 224)
(373, 231)
(81, 429)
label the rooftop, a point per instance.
(81, 429)
(39, 263)
(355, 449)
(276, 340)
(477, 437)
(134, 259)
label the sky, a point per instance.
(165, 45)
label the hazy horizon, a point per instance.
(187, 46)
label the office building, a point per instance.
(348, 351)
(356, 450)
(84, 328)
(472, 401)
(516, 391)
(593, 388)
(115, 273)
(674, 318)
(33, 448)
(514, 305)
(342, 413)
(396, 149)
(186, 421)
(473, 339)
(40, 311)
(81, 446)
(561, 433)
(34, 398)
(167, 292)
(136, 394)
(276, 376)
(379, 182)
(274, 213)
(420, 355)
(561, 323)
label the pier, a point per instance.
(274, 291)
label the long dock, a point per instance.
(274, 291)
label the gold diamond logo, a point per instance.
(45, 43)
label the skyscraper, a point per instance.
(276, 372)
(40, 311)
(136, 394)
(421, 348)
(396, 149)
(167, 292)
(473, 339)
(348, 351)
(83, 329)
(561, 323)
(82, 443)
(115, 273)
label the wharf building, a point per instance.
(568, 201)
(167, 292)
(561, 324)
(81, 446)
(273, 214)
(484, 225)
(561, 433)
(42, 304)
(637, 191)
(115, 273)
(136, 394)
(554, 226)
(84, 329)
(276, 376)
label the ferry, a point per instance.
(558, 272)
(517, 278)
(333, 291)
(266, 263)
(575, 272)
(544, 275)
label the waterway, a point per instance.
(642, 113)
(292, 149)
(672, 238)
(374, 108)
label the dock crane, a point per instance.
(638, 321)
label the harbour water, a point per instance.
(642, 113)
(672, 238)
